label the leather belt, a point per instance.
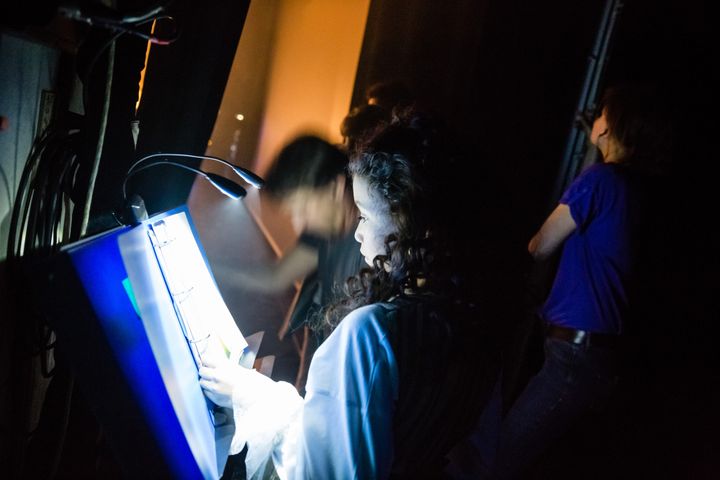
(582, 337)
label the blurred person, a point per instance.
(309, 179)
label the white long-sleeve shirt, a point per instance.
(343, 427)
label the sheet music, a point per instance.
(205, 320)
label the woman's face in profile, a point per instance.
(374, 223)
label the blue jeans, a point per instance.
(573, 381)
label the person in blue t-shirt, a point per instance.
(597, 224)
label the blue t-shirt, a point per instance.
(591, 284)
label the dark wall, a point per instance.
(505, 76)
(670, 43)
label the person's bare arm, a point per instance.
(557, 227)
(293, 266)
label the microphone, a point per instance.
(224, 185)
(243, 173)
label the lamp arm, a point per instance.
(226, 186)
(243, 173)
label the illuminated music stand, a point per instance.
(134, 310)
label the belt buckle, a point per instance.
(581, 337)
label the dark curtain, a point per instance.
(184, 85)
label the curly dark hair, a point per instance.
(361, 123)
(403, 166)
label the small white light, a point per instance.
(240, 117)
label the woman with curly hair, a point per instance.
(404, 373)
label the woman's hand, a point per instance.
(218, 378)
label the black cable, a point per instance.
(39, 230)
(152, 38)
(55, 196)
(41, 208)
(35, 219)
(117, 32)
(45, 371)
(91, 65)
(39, 226)
(23, 192)
(99, 15)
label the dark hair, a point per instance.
(403, 167)
(389, 94)
(639, 121)
(361, 123)
(307, 161)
